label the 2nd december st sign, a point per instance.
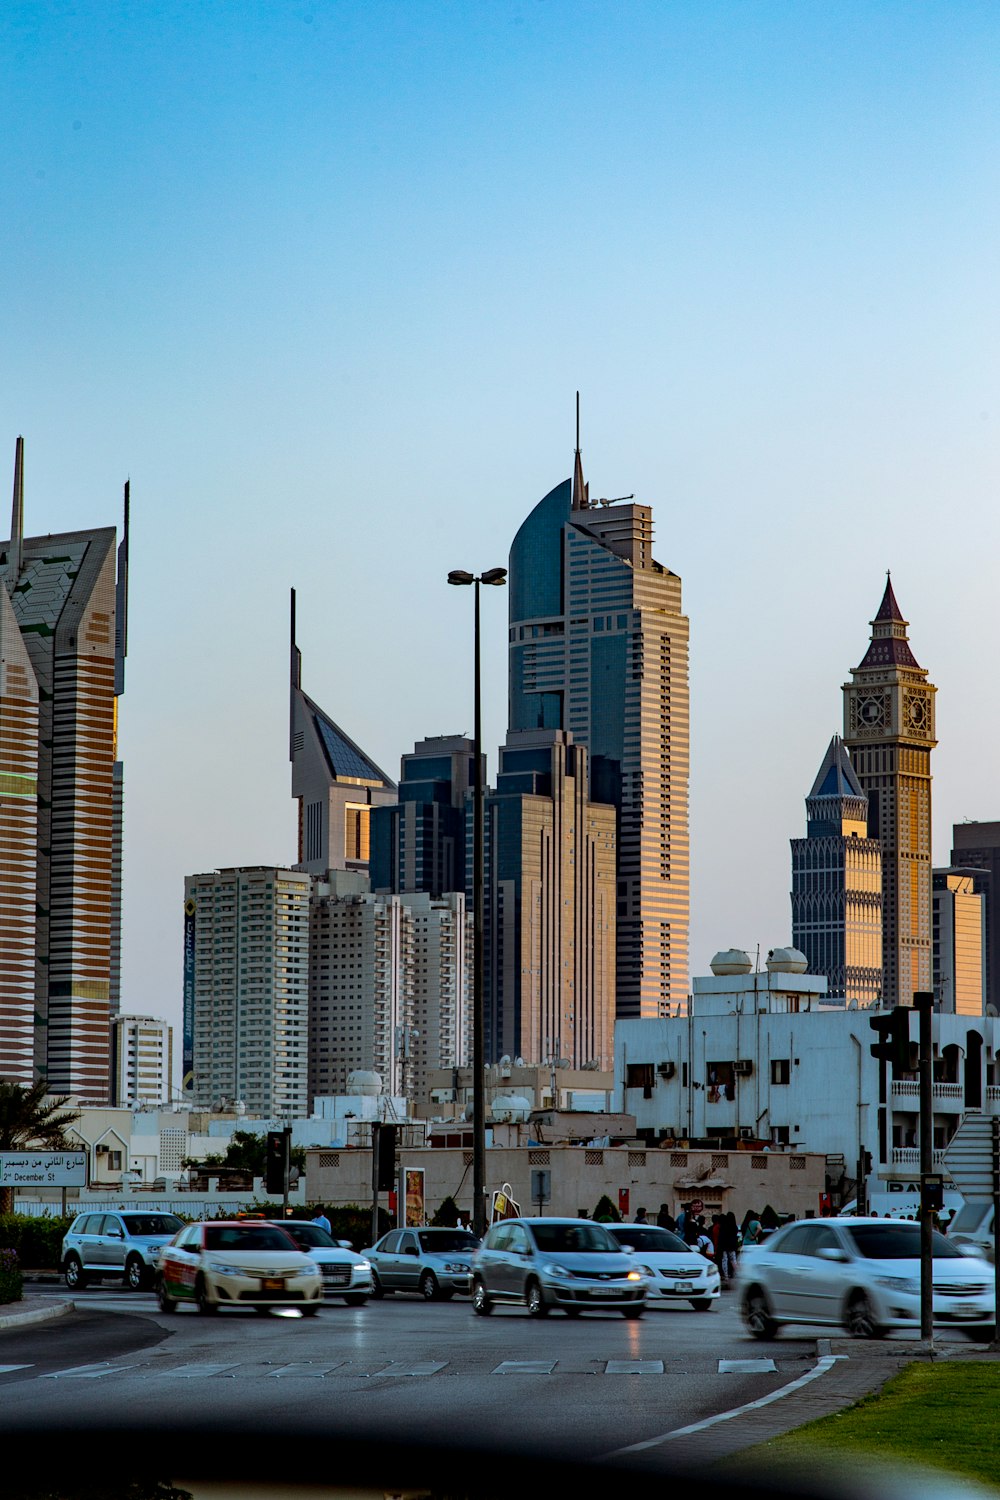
(43, 1169)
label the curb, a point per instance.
(43, 1314)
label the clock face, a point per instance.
(916, 713)
(871, 712)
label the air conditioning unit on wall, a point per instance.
(743, 1067)
(666, 1069)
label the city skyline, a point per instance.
(330, 318)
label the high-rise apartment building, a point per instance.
(334, 782)
(390, 980)
(958, 947)
(246, 990)
(419, 845)
(549, 906)
(837, 885)
(142, 1053)
(62, 644)
(599, 646)
(889, 730)
(976, 846)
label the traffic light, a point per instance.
(275, 1163)
(387, 1158)
(893, 1045)
(866, 1163)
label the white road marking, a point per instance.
(746, 1366)
(526, 1367)
(87, 1372)
(634, 1367)
(422, 1367)
(6, 1369)
(193, 1372)
(306, 1370)
(820, 1368)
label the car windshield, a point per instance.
(310, 1236)
(646, 1237)
(141, 1224)
(970, 1217)
(902, 1242)
(436, 1240)
(246, 1237)
(578, 1239)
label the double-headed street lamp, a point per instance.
(495, 577)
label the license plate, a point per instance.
(272, 1284)
(610, 1291)
(683, 1286)
(967, 1312)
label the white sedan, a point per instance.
(863, 1274)
(345, 1273)
(676, 1272)
(245, 1263)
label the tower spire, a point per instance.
(295, 674)
(16, 519)
(581, 491)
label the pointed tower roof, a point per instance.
(15, 554)
(836, 776)
(581, 491)
(889, 643)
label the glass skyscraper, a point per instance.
(599, 646)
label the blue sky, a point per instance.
(323, 280)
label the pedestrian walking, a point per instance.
(729, 1247)
(640, 1216)
(320, 1218)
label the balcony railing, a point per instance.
(909, 1088)
(909, 1156)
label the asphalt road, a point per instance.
(590, 1386)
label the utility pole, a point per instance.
(376, 1131)
(923, 1003)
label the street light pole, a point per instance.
(496, 577)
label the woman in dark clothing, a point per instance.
(665, 1218)
(729, 1246)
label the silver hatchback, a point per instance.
(544, 1263)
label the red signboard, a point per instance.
(623, 1202)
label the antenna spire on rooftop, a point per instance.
(16, 519)
(581, 491)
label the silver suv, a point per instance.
(125, 1244)
(544, 1263)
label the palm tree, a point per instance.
(28, 1117)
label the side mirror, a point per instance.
(411, 1250)
(831, 1252)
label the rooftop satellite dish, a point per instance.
(505, 1060)
(519, 1062)
(991, 1010)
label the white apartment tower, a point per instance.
(142, 1053)
(246, 990)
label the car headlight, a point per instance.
(309, 1269)
(556, 1270)
(363, 1265)
(455, 1265)
(225, 1269)
(635, 1275)
(898, 1283)
(646, 1271)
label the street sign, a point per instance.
(43, 1169)
(969, 1157)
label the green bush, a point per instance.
(11, 1280)
(447, 1215)
(37, 1241)
(347, 1221)
(606, 1213)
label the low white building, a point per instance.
(760, 1060)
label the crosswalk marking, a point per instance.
(307, 1370)
(634, 1367)
(526, 1367)
(87, 1372)
(746, 1366)
(193, 1372)
(422, 1367)
(6, 1369)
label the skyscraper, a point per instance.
(334, 782)
(62, 643)
(977, 846)
(246, 990)
(959, 951)
(837, 885)
(889, 730)
(598, 646)
(549, 906)
(419, 845)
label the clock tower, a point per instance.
(889, 731)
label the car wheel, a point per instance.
(206, 1307)
(536, 1303)
(633, 1312)
(310, 1311)
(136, 1275)
(73, 1274)
(167, 1304)
(701, 1304)
(429, 1287)
(378, 1290)
(860, 1320)
(358, 1299)
(757, 1315)
(572, 1312)
(481, 1303)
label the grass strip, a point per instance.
(942, 1416)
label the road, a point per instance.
(595, 1385)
